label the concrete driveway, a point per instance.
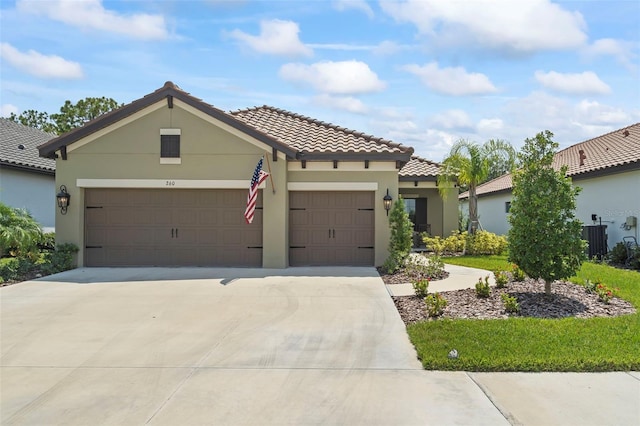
(189, 346)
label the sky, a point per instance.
(423, 73)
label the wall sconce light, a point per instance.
(63, 199)
(387, 202)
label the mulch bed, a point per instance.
(567, 300)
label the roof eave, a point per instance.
(49, 148)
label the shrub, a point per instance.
(454, 243)
(590, 286)
(605, 294)
(435, 244)
(484, 242)
(501, 278)
(13, 268)
(420, 267)
(401, 238)
(421, 288)
(19, 232)
(618, 254)
(517, 274)
(482, 287)
(435, 304)
(59, 260)
(511, 304)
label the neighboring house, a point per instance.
(607, 168)
(164, 181)
(27, 180)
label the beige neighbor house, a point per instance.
(164, 181)
(26, 179)
(607, 168)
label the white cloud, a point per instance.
(7, 109)
(276, 38)
(596, 113)
(346, 103)
(516, 26)
(40, 65)
(490, 125)
(570, 122)
(91, 14)
(621, 50)
(344, 78)
(454, 81)
(452, 119)
(360, 5)
(585, 83)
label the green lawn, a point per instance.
(532, 344)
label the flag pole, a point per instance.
(266, 154)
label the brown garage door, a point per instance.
(175, 227)
(331, 228)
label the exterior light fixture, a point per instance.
(387, 202)
(63, 199)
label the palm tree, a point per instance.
(19, 231)
(471, 164)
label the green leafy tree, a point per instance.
(85, 110)
(19, 232)
(35, 119)
(545, 238)
(70, 115)
(401, 236)
(470, 164)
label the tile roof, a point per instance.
(13, 136)
(297, 136)
(418, 169)
(310, 136)
(618, 148)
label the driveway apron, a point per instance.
(180, 346)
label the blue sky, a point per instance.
(422, 73)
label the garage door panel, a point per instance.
(139, 227)
(331, 226)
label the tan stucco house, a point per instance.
(164, 181)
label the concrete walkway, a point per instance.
(301, 346)
(460, 277)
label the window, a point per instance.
(170, 146)
(507, 206)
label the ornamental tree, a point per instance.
(545, 238)
(401, 238)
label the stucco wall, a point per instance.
(35, 192)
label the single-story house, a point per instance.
(164, 181)
(26, 179)
(607, 168)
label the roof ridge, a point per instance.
(424, 160)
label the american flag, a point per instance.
(258, 177)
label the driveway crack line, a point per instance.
(505, 413)
(195, 368)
